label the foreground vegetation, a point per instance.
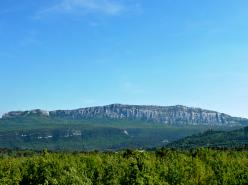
(164, 166)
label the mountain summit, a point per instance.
(171, 115)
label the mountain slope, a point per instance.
(210, 138)
(39, 132)
(108, 127)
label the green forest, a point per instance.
(163, 166)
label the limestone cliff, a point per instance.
(174, 115)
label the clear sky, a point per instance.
(65, 54)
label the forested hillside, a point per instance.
(38, 132)
(211, 138)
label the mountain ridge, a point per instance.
(178, 114)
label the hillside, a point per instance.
(211, 138)
(38, 132)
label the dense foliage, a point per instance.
(200, 166)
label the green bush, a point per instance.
(163, 167)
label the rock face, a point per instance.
(174, 115)
(25, 113)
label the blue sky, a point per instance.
(65, 54)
